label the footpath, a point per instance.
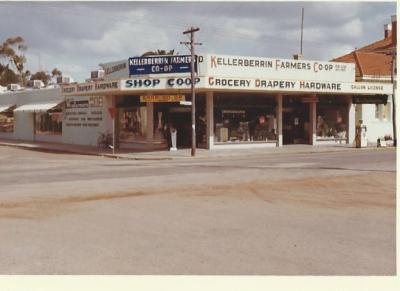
(180, 153)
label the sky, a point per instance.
(76, 37)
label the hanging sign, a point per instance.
(160, 65)
(162, 98)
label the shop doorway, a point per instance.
(295, 119)
(181, 119)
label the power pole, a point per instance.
(192, 30)
(394, 84)
(301, 37)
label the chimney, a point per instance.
(388, 30)
(394, 30)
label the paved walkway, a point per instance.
(167, 155)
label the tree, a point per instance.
(12, 60)
(56, 73)
(41, 75)
(159, 53)
(7, 76)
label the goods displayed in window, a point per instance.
(7, 122)
(249, 125)
(132, 124)
(331, 123)
(49, 123)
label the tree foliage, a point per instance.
(159, 53)
(41, 75)
(12, 60)
(12, 64)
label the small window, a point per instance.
(383, 112)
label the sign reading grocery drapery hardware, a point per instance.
(91, 87)
(209, 83)
(160, 65)
(162, 98)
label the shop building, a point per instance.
(373, 63)
(241, 102)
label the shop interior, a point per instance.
(167, 116)
(295, 120)
(244, 119)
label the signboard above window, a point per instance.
(162, 98)
(370, 99)
(160, 65)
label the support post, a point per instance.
(150, 122)
(313, 120)
(114, 105)
(210, 119)
(351, 124)
(279, 109)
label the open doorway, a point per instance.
(295, 119)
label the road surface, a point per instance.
(327, 213)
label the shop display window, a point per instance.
(132, 124)
(245, 123)
(7, 122)
(331, 122)
(48, 123)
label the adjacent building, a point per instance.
(374, 64)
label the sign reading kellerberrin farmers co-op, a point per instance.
(160, 65)
(273, 69)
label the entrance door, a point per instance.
(295, 119)
(182, 121)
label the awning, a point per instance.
(6, 107)
(39, 107)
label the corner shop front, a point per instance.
(241, 102)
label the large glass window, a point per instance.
(49, 123)
(244, 119)
(6, 122)
(132, 124)
(331, 121)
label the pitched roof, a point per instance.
(373, 59)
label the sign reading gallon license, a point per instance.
(162, 98)
(160, 65)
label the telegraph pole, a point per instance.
(301, 38)
(394, 84)
(192, 30)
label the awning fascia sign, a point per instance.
(4, 108)
(176, 83)
(370, 99)
(38, 107)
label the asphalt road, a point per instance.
(278, 214)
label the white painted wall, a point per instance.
(23, 125)
(375, 128)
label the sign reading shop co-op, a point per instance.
(160, 65)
